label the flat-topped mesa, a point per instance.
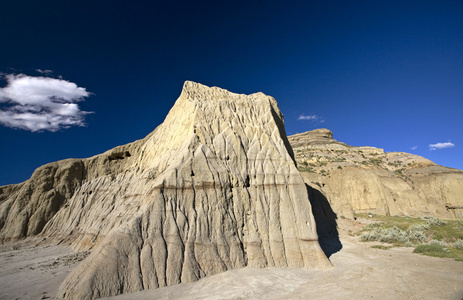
(317, 138)
(313, 136)
(321, 133)
(213, 188)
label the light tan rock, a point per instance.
(26, 208)
(365, 179)
(213, 188)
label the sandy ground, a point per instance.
(28, 271)
(358, 272)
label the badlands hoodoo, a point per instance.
(214, 187)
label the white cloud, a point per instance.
(45, 72)
(41, 103)
(439, 146)
(414, 147)
(310, 118)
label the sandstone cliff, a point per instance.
(213, 188)
(366, 179)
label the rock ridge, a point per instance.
(366, 179)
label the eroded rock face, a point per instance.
(26, 208)
(365, 179)
(213, 188)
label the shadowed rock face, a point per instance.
(213, 188)
(365, 179)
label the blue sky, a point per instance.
(81, 77)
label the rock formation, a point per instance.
(213, 188)
(366, 179)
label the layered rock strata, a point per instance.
(213, 188)
(366, 179)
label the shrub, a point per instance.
(415, 235)
(394, 235)
(399, 172)
(376, 161)
(458, 244)
(444, 240)
(419, 227)
(434, 221)
(381, 247)
(436, 242)
(432, 250)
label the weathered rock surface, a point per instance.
(366, 179)
(213, 188)
(25, 208)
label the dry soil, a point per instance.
(28, 271)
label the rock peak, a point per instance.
(199, 92)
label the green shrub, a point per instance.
(445, 237)
(395, 235)
(436, 242)
(399, 172)
(434, 221)
(433, 250)
(376, 161)
(382, 247)
(458, 244)
(304, 169)
(419, 227)
(415, 235)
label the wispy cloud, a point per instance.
(44, 72)
(314, 118)
(439, 146)
(40, 103)
(414, 148)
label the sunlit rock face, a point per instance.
(213, 188)
(366, 179)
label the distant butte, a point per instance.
(366, 179)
